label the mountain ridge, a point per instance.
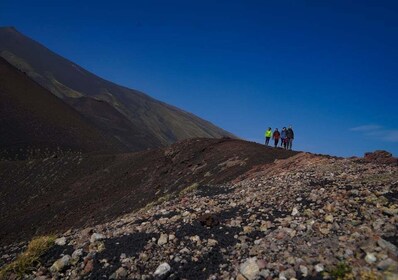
(160, 121)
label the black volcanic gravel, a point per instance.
(211, 191)
(128, 244)
(54, 253)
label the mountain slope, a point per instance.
(75, 190)
(158, 121)
(32, 120)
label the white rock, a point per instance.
(212, 242)
(60, 264)
(304, 270)
(96, 236)
(319, 267)
(185, 250)
(76, 256)
(370, 258)
(163, 239)
(250, 268)
(172, 237)
(195, 238)
(60, 241)
(294, 211)
(162, 269)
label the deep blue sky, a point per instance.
(329, 68)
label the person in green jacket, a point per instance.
(268, 135)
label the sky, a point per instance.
(328, 68)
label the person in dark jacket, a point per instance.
(283, 137)
(289, 137)
(276, 136)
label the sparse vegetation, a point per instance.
(370, 275)
(189, 189)
(341, 272)
(28, 259)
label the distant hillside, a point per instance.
(34, 121)
(136, 120)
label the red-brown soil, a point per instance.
(54, 194)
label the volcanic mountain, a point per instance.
(133, 118)
(33, 121)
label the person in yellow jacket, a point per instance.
(268, 135)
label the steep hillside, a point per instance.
(113, 123)
(34, 121)
(75, 190)
(156, 121)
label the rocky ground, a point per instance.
(306, 217)
(78, 190)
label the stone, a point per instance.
(172, 237)
(163, 239)
(261, 264)
(143, 257)
(60, 241)
(240, 277)
(265, 273)
(60, 264)
(319, 267)
(304, 270)
(77, 254)
(195, 238)
(96, 236)
(370, 258)
(88, 267)
(162, 269)
(249, 268)
(287, 274)
(329, 218)
(295, 211)
(247, 229)
(387, 264)
(185, 250)
(212, 242)
(388, 246)
(121, 273)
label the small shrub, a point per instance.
(189, 189)
(28, 259)
(341, 272)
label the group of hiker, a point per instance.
(286, 136)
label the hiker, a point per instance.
(283, 137)
(289, 137)
(276, 136)
(268, 135)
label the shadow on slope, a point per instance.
(34, 121)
